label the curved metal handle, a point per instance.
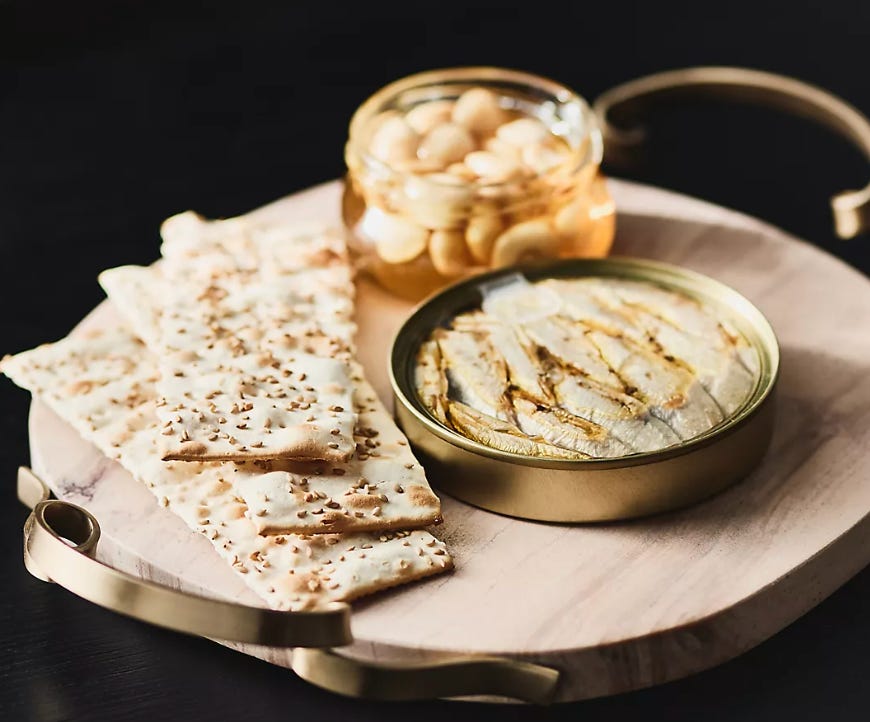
(454, 677)
(619, 108)
(60, 540)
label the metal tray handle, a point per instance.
(620, 108)
(60, 541)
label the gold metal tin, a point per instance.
(594, 489)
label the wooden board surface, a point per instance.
(614, 606)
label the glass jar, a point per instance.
(443, 182)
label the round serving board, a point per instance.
(613, 606)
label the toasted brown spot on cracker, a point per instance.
(421, 496)
(194, 448)
(82, 386)
(362, 501)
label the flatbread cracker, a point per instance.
(254, 339)
(136, 292)
(102, 383)
(381, 487)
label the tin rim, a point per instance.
(462, 296)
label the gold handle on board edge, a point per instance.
(60, 541)
(455, 677)
(619, 109)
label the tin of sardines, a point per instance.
(586, 390)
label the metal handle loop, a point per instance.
(453, 677)
(619, 108)
(60, 540)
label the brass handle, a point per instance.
(60, 540)
(455, 677)
(619, 108)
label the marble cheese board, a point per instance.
(614, 607)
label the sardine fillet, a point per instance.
(560, 428)
(475, 372)
(627, 419)
(430, 381)
(502, 435)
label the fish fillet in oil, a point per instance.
(726, 366)
(503, 435)
(685, 314)
(569, 345)
(721, 371)
(430, 380)
(515, 348)
(627, 419)
(671, 394)
(475, 372)
(580, 368)
(561, 428)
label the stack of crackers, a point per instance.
(232, 391)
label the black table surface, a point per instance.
(115, 115)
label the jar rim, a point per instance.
(483, 76)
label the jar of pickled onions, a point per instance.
(454, 172)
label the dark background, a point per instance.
(114, 115)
